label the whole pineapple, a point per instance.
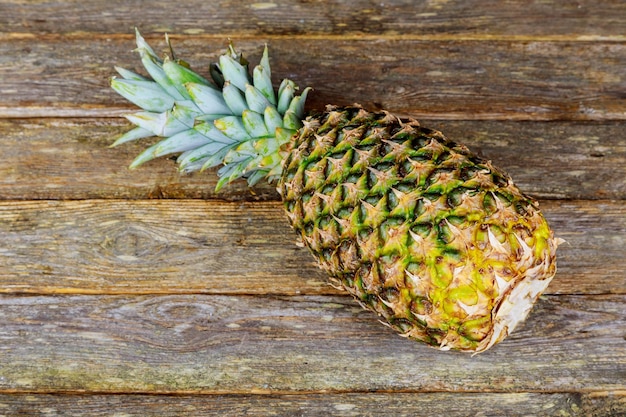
(435, 240)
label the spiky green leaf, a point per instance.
(146, 94)
(142, 44)
(155, 69)
(234, 98)
(254, 124)
(234, 72)
(160, 124)
(291, 121)
(210, 131)
(265, 62)
(209, 100)
(286, 92)
(232, 126)
(181, 142)
(297, 104)
(181, 75)
(272, 118)
(200, 154)
(255, 99)
(129, 75)
(263, 82)
(134, 134)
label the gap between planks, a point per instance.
(445, 37)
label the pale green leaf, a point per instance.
(255, 99)
(209, 100)
(263, 83)
(273, 119)
(160, 124)
(181, 75)
(232, 126)
(254, 123)
(285, 95)
(210, 131)
(234, 98)
(181, 142)
(156, 71)
(129, 75)
(134, 134)
(234, 72)
(297, 104)
(146, 94)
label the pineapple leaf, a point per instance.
(273, 119)
(160, 124)
(181, 75)
(254, 123)
(234, 72)
(232, 171)
(134, 134)
(155, 69)
(234, 98)
(208, 100)
(232, 126)
(146, 94)
(265, 63)
(210, 131)
(285, 95)
(199, 155)
(297, 104)
(234, 118)
(263, 82)
(129, 75)
(142, 44)
(255, 99)
(181, 142)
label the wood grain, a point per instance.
(365, 404)
(529, 80)
(147, 293)
(584, 19)
(70, 159)
(192, 246)
(242, 344)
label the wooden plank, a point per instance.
(336, 405)
(523, 80)
(241, 345)
(583, 19)
(192, 246)
(70, 159)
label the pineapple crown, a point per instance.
(235, 119)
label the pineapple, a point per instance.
(435, 240)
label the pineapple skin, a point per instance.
(435, 240)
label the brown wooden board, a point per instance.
(453, 79)
(193, 246)
(584, 19)
(362, 404)
(266, 344)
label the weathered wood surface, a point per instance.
(147, 293)
(311, 405)
(192, 246)
(243, 344)
(584, 19)
(70, 159)
(453, 79)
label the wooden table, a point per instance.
(147, 293)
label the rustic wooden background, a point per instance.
(146, 293)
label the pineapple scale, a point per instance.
(437, 241)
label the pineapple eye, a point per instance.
(422, 229)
